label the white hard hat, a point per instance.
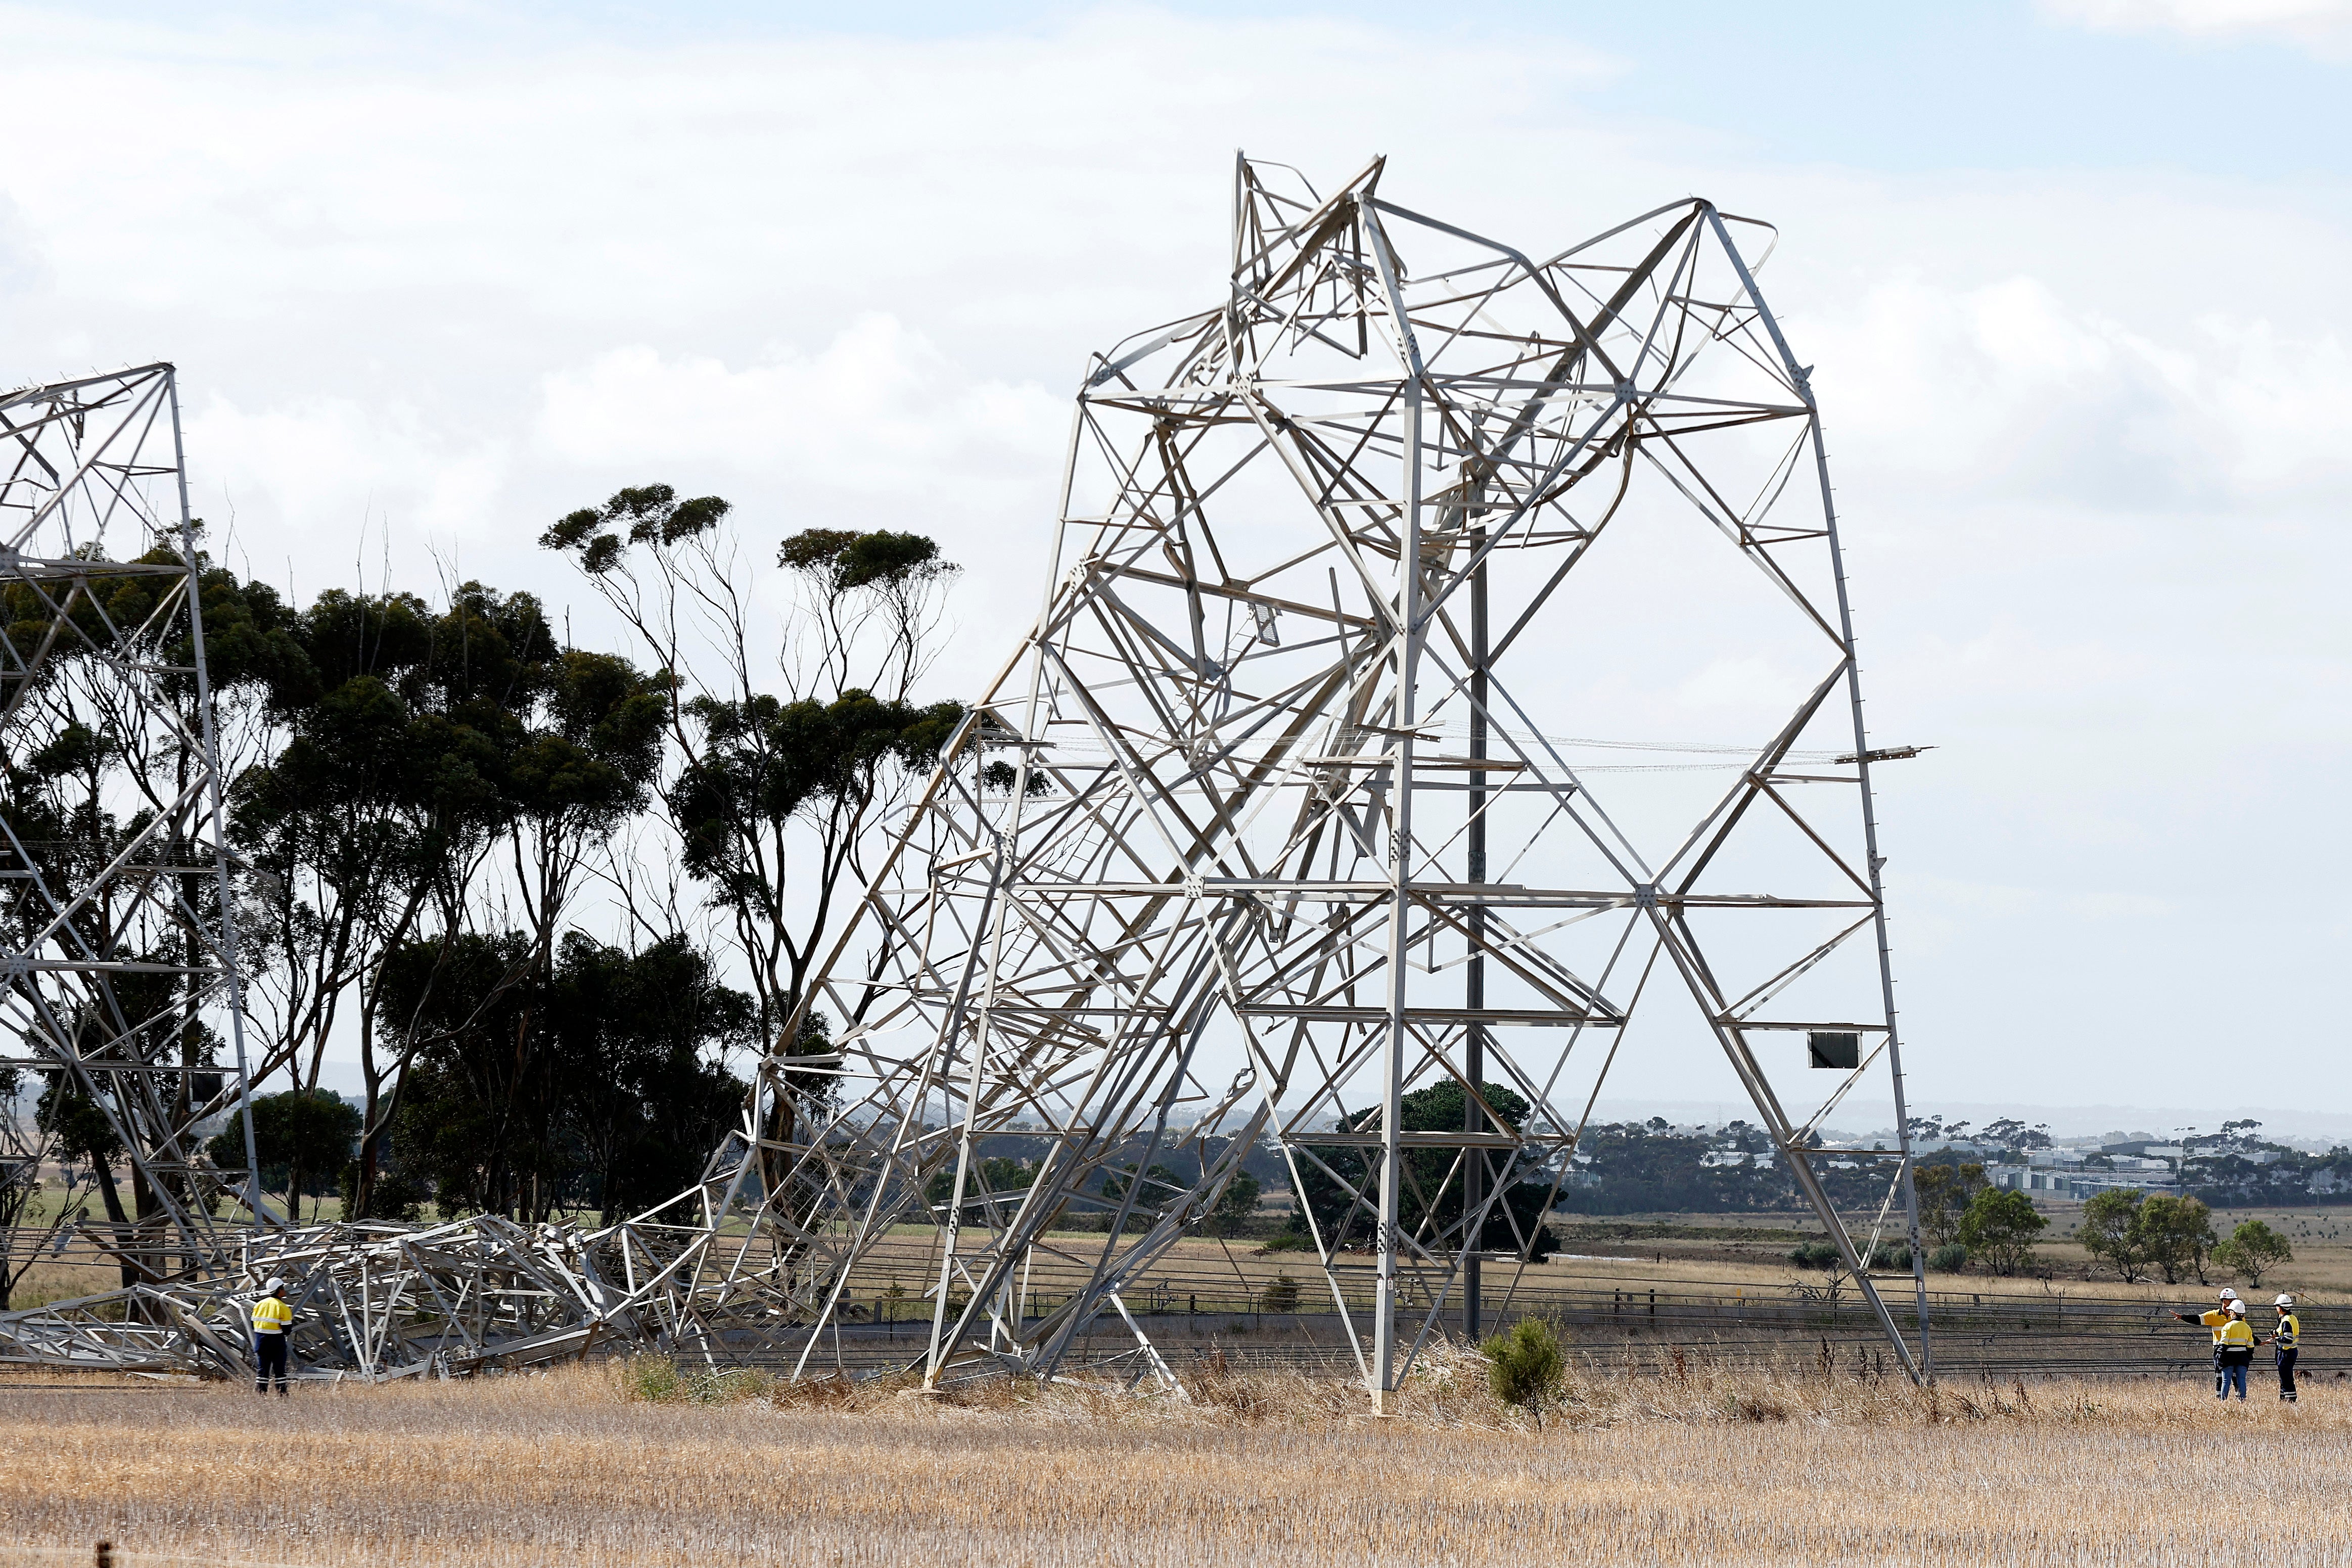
(275, 1285)
(2237, 1309)
(2228, 1294)
(2283, 1301)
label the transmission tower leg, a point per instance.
(231, 976)
(1474, 986)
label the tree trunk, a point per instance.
(111, 1195)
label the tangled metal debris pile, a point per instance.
(379, 1301)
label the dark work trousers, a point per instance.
(2220, 1385)
(2286, 1375)
(268, 1358)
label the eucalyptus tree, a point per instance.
(444, 772)
(618, 1099)
(787, 748)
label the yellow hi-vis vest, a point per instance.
(2219, 1321)
(2236, 1334)
(2289, 1331)
(272, 1316)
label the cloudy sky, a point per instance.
(2072, 275)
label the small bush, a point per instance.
(2252, 1250)
(658, 1379)
(1948, 1259)
(652, 1379)
(2000, 1227)
(1525, 1367)
(1885, 1255)
(1282, 1296)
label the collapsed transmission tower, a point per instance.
(119, 983)
(1278, 828)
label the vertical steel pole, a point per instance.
(1407, 650)
(1877, 892)
(1473, 986)
(233, 972)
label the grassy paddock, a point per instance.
(635, 1463)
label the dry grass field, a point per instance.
(1719, 1250)
(579, 1466)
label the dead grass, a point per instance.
(621, 1464)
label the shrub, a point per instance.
(651, 1378)
(2176, 1233)
(1945, 1191)
(1815, 1255)
(658, 1379)
(2253, 1249)
(1282, 1296)
(1950, 1258)
(2111, 1232)
(2000, 1228)
(1525, 1367)
(1887, 1255)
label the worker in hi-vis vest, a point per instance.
(2217, 1320)
(2286, 1344)
(2237, 1352)
(272, 1320)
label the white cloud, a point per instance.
(2008, 388)
(2090, 429)
(879, 410)
(2321, 22)
(336, 493)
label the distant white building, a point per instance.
(2070, 1185)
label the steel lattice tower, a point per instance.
(118, 980)
(1269, 827)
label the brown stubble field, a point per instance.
(576, 1466)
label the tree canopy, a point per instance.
(1431, 1200)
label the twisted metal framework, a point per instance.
(1210, 863)
(1271, 831)
(115, 957)
(378, 1302)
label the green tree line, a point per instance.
(434, 799)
